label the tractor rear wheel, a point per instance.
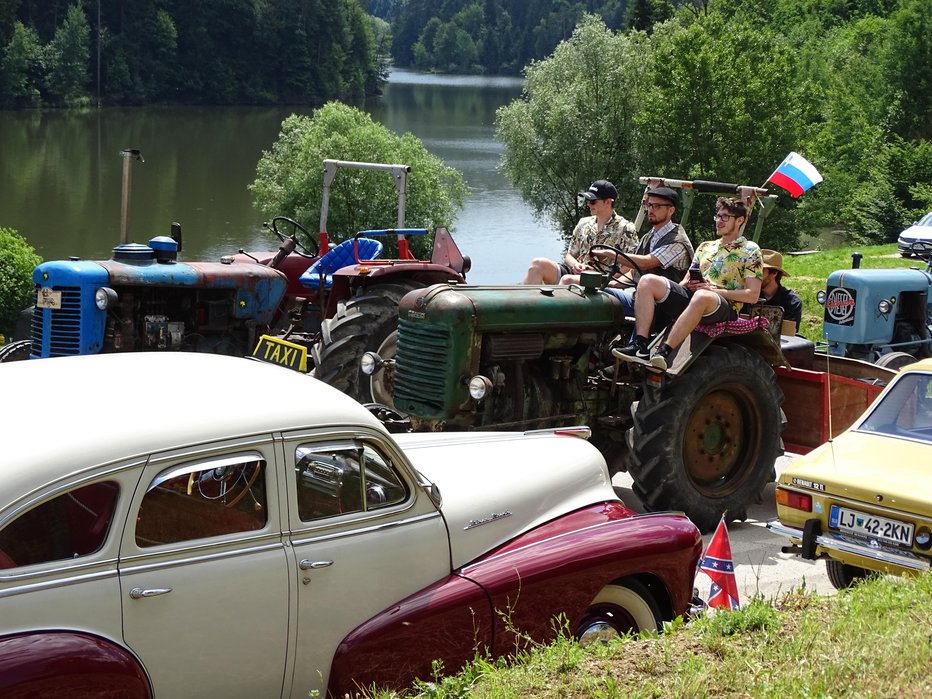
(707, 444)
(361, 324)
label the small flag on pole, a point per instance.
(717, 564)
(795, 174)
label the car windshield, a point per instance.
(905, 411)
(925, 220)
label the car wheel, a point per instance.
(843, 576)
(627, 607)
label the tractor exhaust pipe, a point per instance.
(128, 155)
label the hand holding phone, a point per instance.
(695, 275)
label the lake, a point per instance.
(61, 173)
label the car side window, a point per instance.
(70, 525)
(204, 499)
(905, 411)
(342, 478)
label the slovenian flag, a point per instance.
(795, 174)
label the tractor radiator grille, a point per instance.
(64, 325)
(421, 367)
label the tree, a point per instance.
(21, 67)
(575, 121)
(17, 261)
(289, 181)
(67, 57)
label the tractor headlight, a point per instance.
(104, 298)
(884, 306)
(479, 387)
(820, 297)
(370, 363)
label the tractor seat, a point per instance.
(337, 258)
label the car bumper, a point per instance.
(812, 540)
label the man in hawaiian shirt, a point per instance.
(725, 274)
(603, 227)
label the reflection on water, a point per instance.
(61, 173)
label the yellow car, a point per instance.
(863, 501)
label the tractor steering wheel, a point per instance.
(300, 248)
(614, 268)
(921, 249)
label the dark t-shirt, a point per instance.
(790, 302)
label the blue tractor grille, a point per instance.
(61, 326)
(422, 367)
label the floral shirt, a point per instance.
(618, 232)
(727, 265)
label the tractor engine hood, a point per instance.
(497, 485)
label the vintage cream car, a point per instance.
(863, 501)
(181, 524)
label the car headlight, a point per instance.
(105, 297)
(479, 387)
(370, 363)
(820, 297)
(885, 306)
(923, 537)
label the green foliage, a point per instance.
(289, 177)
(17, 261)
(67, 59)
(576, 118)
(21, 67)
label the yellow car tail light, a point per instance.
(798, 501)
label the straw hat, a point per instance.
(774, 260)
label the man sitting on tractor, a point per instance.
(725, 274)
(773, 293)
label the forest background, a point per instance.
(701, 89)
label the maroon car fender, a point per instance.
(561, 566)
(450, 620)
(48, 664)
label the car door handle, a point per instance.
(139, 593)
(314, 565)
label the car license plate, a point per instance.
(276, 351)
(46, 298)
(871, 526)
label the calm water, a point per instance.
(61, 173)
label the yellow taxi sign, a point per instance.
(281, 352)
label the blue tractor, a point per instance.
(882, 316)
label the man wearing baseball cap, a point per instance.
(603, 227)
(773, 293)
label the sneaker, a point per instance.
(632, 350)
(658, 359)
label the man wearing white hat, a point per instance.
(773, 293)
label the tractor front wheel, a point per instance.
(364, 323)
(707, 444)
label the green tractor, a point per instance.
(701, 437)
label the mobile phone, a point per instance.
(694, 274)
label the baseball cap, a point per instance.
(665, 193)
(600, 189)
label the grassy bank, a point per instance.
(809, 272)
(872, 641)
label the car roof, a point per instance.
(66, 413)
(921, 365)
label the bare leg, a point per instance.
(651, 289)
(702, 302)
(542, 271)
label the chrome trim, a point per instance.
(139, 593)
(362, 530)
(494, 517)
(142, 566)
(66, 564)
(307, 564)
(831, 543)
(57, 582)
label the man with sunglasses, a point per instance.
(724, 275)
(603, 227)
(665, 248)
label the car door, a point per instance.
(364, 536)
(204, 574)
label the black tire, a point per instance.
(618, 609)
(15, 351)
(842, 576)
(360, 325)
(895, 360)
(707, 445)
